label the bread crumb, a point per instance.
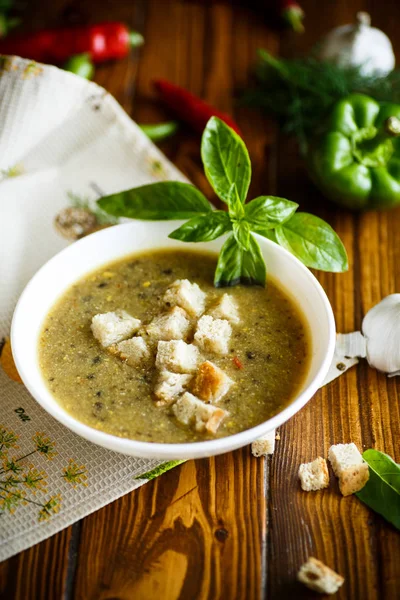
(318, 577)
(177, 356)
(314, 475)
(187, 295)
(349, 466)
(170, 386)
(264, 445)
(113, 327)
(213, 335)
(133, 351)
(210, 382)
(226, 308)
(189, 410)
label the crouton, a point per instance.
(177, 356)
(213, 335)
(113, 327)
(318, 577)
(314, 475)
(225, 308)
(189, 410)
(173, 325)
(169, 387)
(210, 382)
(264, 445)
(133, 351)
(187, 295)
(349, 466)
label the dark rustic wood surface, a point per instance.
(235, 526)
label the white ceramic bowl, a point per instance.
(113, 243)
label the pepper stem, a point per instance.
(373, 147)
(390, 129)
(135, 39)
(392, 126)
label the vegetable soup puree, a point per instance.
(241, 376)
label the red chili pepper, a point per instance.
(190, 108)
(293, 14)
(237, 362)
(102, 42)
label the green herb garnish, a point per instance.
(382, 490)
(228, 169)
(300, 92)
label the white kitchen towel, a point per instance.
(63, 142)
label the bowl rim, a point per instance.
(158, 450)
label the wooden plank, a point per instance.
(39, 572)
(361, 407)
(192, 533)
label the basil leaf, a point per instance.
(236, 209)
(204, 228)
(382, 490)
(253, 265)
(236, 265)
(241, 231)
(266, 212)
(157, 201)
(225, 159)
(229, 265)
(314, 242)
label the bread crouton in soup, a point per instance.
(210, 383)
(122, 347)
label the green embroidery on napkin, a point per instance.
(17, 478)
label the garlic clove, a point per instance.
(381, 328)
(359, 45)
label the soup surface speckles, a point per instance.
(270, 344)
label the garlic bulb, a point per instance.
(359, 45)
(379, 341)
(381, 329)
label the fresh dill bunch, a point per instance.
(300, 92)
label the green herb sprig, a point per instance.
(382, 490)
(228, 169)
(300, 92)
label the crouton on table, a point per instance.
(113, 327)
(314, 475)
(187, 295)
(318, 577)
(349, 466)
(210, 382)
(225, 308)
(213, 335)
(177, 356)
(133, 351)
(170, 386)
(264, 445)
(174, 325)
(189, 410)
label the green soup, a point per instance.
(268, 350)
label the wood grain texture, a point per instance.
(234, 526)
(39, 572)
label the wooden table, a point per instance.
(236, 527)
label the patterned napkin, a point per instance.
(63, 142)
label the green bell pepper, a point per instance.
(356, 161)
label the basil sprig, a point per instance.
(382, 490)
(228, 169)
